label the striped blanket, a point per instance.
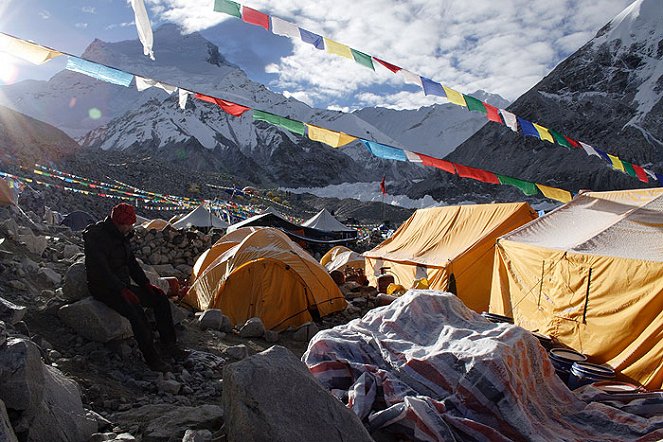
(429, 369)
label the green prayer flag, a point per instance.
(559, 138)
(526, 187)
(628, 167)
(227, 7)
(363, 59)
(475, 105)
(286, 123)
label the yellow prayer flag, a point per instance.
(617, 163)
(27, 51)
(334, 47)
(329, 137)
(454, 97)
(544, 133)
(555, 194)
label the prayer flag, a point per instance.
(524, 186)
(383, 187)
(575, 144)
(528, 128)
(25, 50)
(555, 194)
(228, 107)
(183, 97)
(334, 47)
(385, 152)
(311, 38)
(412, 157)
(640, 172)
(493, 113)
(432, 88)
(253, 17)
(282, 27)
(98, 71)
(146, 83)
(603, 155)
(454, 96)
(411, 77)
(227, 7)
(286, 123)
(363, 59)
(628, 168)
(438, 163)
(559, 138)
(329, 137)
(474, 105)
(392, 67)
(476, 174)
(616, 163)
(510, 120)
(544, 134)
(144, 27)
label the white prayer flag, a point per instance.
(144, 27)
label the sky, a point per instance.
(500, 46)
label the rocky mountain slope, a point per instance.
(607, 94)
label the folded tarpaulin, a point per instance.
(430, 369)
(99, 71)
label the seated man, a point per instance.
(110, 266)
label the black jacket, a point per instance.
(109, 261)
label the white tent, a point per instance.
(325, 221)
(200, 217)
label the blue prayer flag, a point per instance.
(385, 152)
(432, 88)
(603, 155)
(312, 38)
(98, 71)
(528, 128)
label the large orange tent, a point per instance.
(449, 246)
(261, 272)
(590, 274)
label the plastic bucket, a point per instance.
(563, 359)
(583, 373)
(497, 319)
(545, 341)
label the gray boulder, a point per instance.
(75, 283)
(6, 430)
(197, 436)
(70, 251)
(35, 244)
(305, 332)
(3, 333)
(211, 319)
(95, 321)
(21, 374)
(252, 328)
(50, 275)
(166, 423)
(10, 312)
(272, 396)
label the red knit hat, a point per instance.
(123, 214)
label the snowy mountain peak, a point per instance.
(640, 23)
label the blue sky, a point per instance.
(501, 46)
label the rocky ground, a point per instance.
(59, 346)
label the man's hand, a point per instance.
(154, 290)
(130, 297)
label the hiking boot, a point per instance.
(174, 351)
(158, 365)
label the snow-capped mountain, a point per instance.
(607, 94)
(107, 116)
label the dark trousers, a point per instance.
(139, 323)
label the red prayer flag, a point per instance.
(447, 166)
(477, 174)
(254, 17)
(228, 107)
(572, 142)
(383, 187)
(640, 172)
(392, 67)
(492, 113)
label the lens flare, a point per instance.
(8, 69)
(94, 113)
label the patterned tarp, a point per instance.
(430, 369)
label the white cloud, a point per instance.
(120, 25)
(81, 25)
(44, 14)
(89, 9)
(503, 47)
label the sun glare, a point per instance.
(8, 69)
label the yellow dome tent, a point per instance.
(590, 274)
(156, 224)
(332, 254)
(440, 242)
(261, 272)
